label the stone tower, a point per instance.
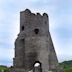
(34, 45)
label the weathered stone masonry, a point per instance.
(34, 45)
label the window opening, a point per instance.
(22, 28)
(36, 31)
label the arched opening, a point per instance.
(36, 31)
(37, 67)
(37, 63)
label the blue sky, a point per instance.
(60, 23)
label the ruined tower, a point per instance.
(34, 45)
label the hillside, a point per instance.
(67, 66)
(4, 68)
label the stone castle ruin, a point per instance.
(34, 50)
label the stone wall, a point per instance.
(34, 44)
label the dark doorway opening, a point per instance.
(37, 67)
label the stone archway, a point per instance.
(37, 67)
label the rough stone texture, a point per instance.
(34, 44)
